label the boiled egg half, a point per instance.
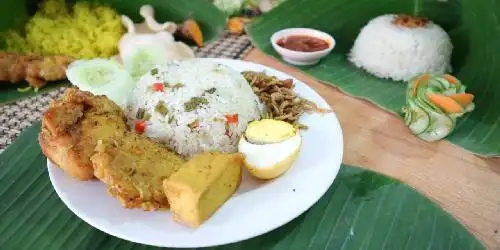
(270, 147)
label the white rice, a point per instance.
(399, 53)
(233, 95)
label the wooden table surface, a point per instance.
(465, 185)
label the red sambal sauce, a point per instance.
(303, 43)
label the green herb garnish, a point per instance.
(216, 119)
(171, 119)
(154, 71)
(194, 103)
(211, 90)
(161, 108)
(178, 85)
(140, 113)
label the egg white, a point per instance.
(267, 155)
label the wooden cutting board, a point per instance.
(465, 185)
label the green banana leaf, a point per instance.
(361, 210)
(14, 13)
(472, 25)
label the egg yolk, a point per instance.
(269, 131)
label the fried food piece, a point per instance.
(281, 101)
(236, 25)
(72, 126)
(87, 136)
(36, 70)
(134, 168)
(190, 30)
(202, 185)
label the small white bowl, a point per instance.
(298, 57)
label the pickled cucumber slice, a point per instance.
(424, 113)
(440, 127)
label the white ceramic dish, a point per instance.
(298, 57)
(255, 209)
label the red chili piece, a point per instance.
(140, 126)
(158, 87)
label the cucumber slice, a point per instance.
(420, 120)
(450, 91)
(441, 126)
(422, 101)
(442, 83)
(426, 119)
(140, 59)
(407, 116)
(101, 77)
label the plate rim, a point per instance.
(229, 240)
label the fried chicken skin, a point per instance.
(36, 70)
(72, 126)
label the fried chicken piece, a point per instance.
(36, 70)
(72, 126)
(87, 136)
(134, 168)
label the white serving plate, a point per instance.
(256, 208)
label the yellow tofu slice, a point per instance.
(202, 185)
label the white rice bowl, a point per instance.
(232, 95)
(392, 51)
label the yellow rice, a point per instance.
(86, 30)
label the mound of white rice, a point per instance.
(387, 50)
(204, 128)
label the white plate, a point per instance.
(255, 209)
